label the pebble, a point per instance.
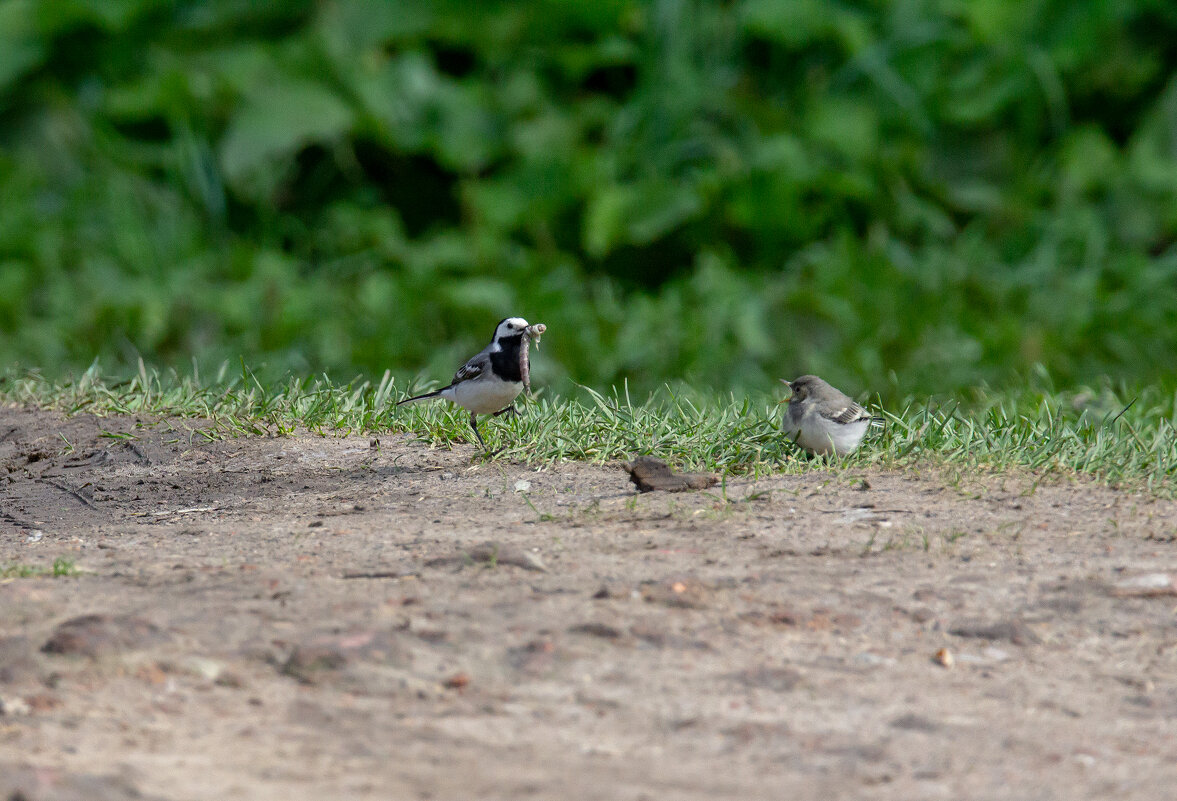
(13, 707)
(324, 656)
(97, 635)
(458, 681)
(1014, 631)
(1148, 585)
(682, 594)
(205, 668)
(308, 662)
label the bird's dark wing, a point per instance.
(851, 413)
(472, 369)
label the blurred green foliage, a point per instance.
(905, 195)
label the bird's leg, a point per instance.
(477, 433)
(487, 452)
(511, 410)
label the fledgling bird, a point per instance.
(823, 420)
(491, 380)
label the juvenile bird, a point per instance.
(491, 380)
(823, 420)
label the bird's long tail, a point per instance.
(426, 396)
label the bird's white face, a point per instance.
(512, 326)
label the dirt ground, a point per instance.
(310, 617)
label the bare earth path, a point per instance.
(310, 618)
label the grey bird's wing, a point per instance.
(838, 407)
(478, 364)
(850, 413)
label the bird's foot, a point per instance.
(485, 454)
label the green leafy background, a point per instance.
(903, 196)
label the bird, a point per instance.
(822, 419)
(491, 380)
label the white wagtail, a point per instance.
(494, 377)
(823, 420)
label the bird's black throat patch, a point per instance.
(505, 362)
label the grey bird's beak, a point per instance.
(788, 384)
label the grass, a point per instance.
(1101, 434)
(61, 567)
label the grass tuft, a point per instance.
(62, 567)
(1085, 433)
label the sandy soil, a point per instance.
(309, 618)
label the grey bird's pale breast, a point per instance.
(818, 434)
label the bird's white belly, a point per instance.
(819, 435)
(484, 397)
